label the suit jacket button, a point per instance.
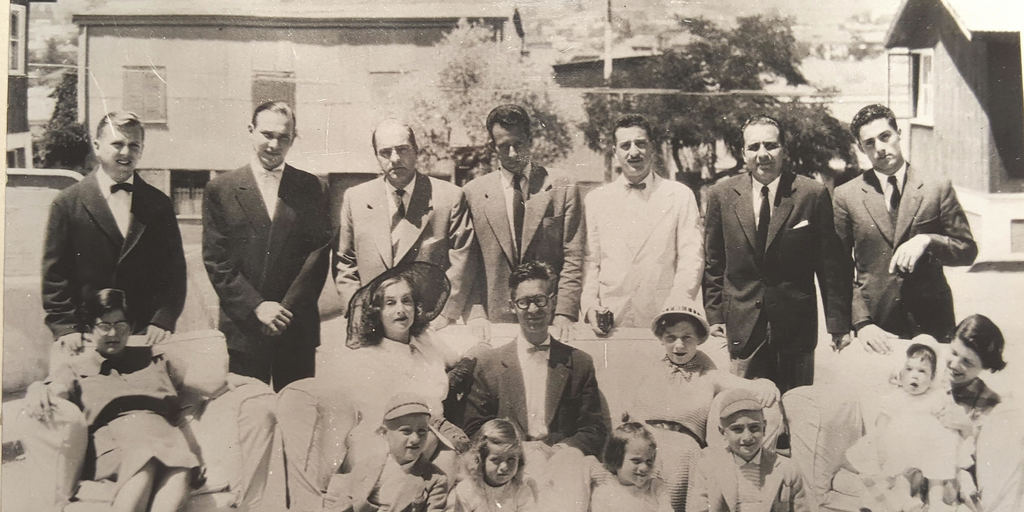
(757, 304)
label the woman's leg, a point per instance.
(171, 490)
(134, 493)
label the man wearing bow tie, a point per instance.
(644, 239)
(113, 230)
(546, 387)
(522, 213)
(265, 246)
(769, 233)
(401, 217)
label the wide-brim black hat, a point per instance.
(430, 287)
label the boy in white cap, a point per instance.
(391, 471)
(745, 476)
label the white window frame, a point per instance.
(923, 86)
(17, 65)
(160, 96)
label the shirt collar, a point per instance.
(257, 167)
(740, 462)
(522, 345)
(408, 188)
(649, 180)
(755, 186)
(506, 176)
(901, 176)
(105, 181)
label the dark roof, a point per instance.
(971, 16)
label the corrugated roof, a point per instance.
(351, 9)
(971, 16)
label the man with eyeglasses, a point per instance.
(402, 217)
(266, 238)
(112, 229)
(644, 239)
(546, 387)
(768, 234)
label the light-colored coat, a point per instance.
(632, 269)
(713, 485)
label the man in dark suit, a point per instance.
(902, 225)
(546, 387)
(521, 213)
(404, 216)
(266, 238)
(768, 233)
(113, 230)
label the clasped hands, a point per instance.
(274, 317)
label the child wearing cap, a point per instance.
(745, 476)
(390, 472)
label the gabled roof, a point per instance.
(971, 16)
(265, 12)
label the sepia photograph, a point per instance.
(513, 255)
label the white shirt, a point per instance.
(268, 182)
(755, 192)
(390, 189)
(901, 180)
(749, 482)
(120, 203)
(509, 191)
(535, 382)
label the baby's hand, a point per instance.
(953, 417)
(39, 402)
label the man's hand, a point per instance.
(592, 320)
(876, 339)
(481, 328)
(767, 393)
(71, 343)
(156, 334)
(840, 341)
(274, 317)
(905, 259)
(38, 401)
(440, 322)
(563, 328)
(717, 330)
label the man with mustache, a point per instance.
(113, 230)
(769, 233)
(644, 239)
(265, 246)
(903, 225)
(404, 216)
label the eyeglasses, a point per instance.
(768, 146)
(106, 327)
(541, 301)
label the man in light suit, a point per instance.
(644, 239)
(547, 388)
(404, 216)
(522, 213)
(902, 225)
(113, 230)
(266, 238)
(768, 233)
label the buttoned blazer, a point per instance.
(740, 284)
(921, 302)
(553, 232)
(438, 229)
(714, 484)
(572, 401)
(633, 273)
(251, 258)
(85, 252)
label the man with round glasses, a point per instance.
(543, 385)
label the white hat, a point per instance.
(682, 308)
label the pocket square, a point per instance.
(802, 224)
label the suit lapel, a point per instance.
(909, 204)
(874, 203)
(496, 215)
(784, 198)
(94, 203)
(727, 478)
(284, 214)
(744, 209)
(417, 216)
(772, 479)
(139, 217)
(511, 385)
(536, 205)
(247, 193)
(559, 361)
(660, 201)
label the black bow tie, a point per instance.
(538, 348)
(127, 187)
(639, 186)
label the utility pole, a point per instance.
(608, 45)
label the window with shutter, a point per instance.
(273, 86)
(145, 92)
(923, 85)
(16, 45)
(900, 94)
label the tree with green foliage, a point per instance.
(479, 74)
(65, 144)
(717, 75)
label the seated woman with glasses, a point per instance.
(129, 397)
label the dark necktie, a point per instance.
(638, 186)
(399, 207)
(518, 210)
(894, 199)
(127, 187)
(763, 219)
